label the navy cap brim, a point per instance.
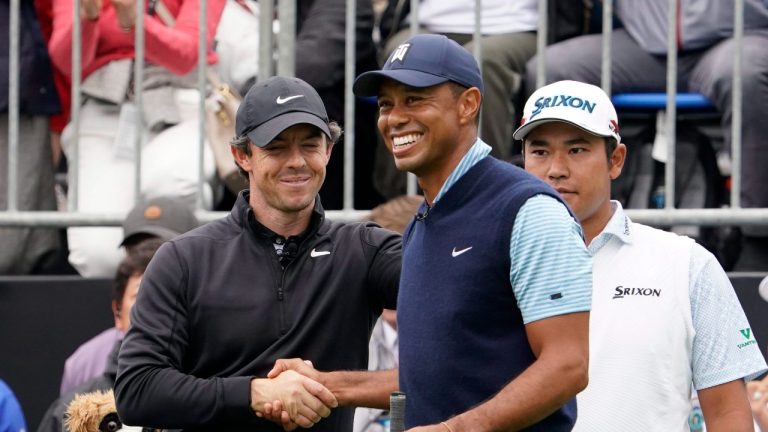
(368, 83)
(269, 130)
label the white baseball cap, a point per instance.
(583, 105)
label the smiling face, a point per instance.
(575, 163)
(286, 174)
(425, 128)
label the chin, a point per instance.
(298, 204)
(406, 165)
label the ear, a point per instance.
(329, 148)
(241, 158)
(116, 313)
(618, 158)
(469, 105)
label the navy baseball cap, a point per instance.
(423, 60)
(275, 104)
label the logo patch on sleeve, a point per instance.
(746, 338)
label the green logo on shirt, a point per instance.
(747, 333)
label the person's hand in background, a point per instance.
(126, 13)
(90, 9)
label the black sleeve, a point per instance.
(151, 388)
(384, 269)
(320, 40)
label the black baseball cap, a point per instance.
(277, 103)
(162, 217)
(424, 60)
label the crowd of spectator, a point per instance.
(108, 114)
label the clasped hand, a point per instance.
(291, 395)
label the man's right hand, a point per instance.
(306, 401)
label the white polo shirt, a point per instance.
(497, 16)
(664, 319)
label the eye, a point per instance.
(383, 103)
(274, 148)
(577, 150)
(538, 152)
(412, 99)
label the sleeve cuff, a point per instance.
(237, 397)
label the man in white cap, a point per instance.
(665, 317)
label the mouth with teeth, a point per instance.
(401, 142)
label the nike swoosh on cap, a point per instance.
(281, 100)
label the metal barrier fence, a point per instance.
(735, 215)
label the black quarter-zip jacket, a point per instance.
(216, 309)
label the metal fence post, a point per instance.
(671, 120)
(286, 39)
(737, 95)
(13, 107)
(349, 104)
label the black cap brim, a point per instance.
(269, 130)
(368, 84)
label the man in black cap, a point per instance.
(221, 304)
(496, 280)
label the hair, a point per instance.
(243, 143)
(396, 213)
(610, 147)
(134, 264)
(457, 89)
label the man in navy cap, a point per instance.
(221, 304)
(496, 281)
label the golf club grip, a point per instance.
(397, 412)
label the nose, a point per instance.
(558, 167)
(295, 157)
(395, 117)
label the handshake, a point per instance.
(292, 395)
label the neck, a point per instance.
(281, 222)
(432, 182)
(594, 225)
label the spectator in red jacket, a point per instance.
(108, 114)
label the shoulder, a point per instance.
(517, 183)
(660, 239)
(226, 227)
(368, 233)
(5, 391)
(95, 346)
(545, 211)
(210, 235)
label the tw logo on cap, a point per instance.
(399, 53)
(562, 100)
